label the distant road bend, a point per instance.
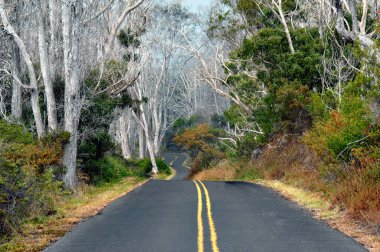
(181, 215)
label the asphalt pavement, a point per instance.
(181, 215)
(177, 161)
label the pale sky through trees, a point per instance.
(195, 5)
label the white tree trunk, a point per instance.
(54, 25)
(32, 75)
(141, 141)
(16, 105)
(71, 107)
(148, 140)
(363, 21)
(285, 25)
(124, 141)
(45, 68)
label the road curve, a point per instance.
(201, 216)
(177, 162)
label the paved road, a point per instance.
(210, 216)
(177, 162)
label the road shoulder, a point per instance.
(90, 201)
(323, 210)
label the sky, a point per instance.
(195, 5)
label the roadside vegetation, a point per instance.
(36, 207)
(38, 231)
(283, 91)
(306, 111)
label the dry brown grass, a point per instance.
(322, 209)
(223, 171)
(349, 203)
(286, 153)
(87, 202)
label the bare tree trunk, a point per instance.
(72, 107)
(285, 25)
(156, 142)
(157, 117)
(148, 140)
(45, 68)
(363, 22)
(123, 129)
(354, 14)
(54, 24)
(141, 141)
(32, 75)
(16, 105)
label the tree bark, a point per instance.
(16, 105)
(285, 25)
(124, 141)
(148, 140)
(54, 25)
(45, 68)
(70, 32)
(141, 141)
(32, 75)
(354, 14)
(363, 22)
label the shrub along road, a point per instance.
(200, 216)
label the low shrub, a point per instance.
(162, 166)
(13, 133)
(29, 173)
(24, 194)
(336, 136)
(249, 174)
(113, 168)
(146, 165)
(106, 169)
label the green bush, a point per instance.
(162, 166)
(110, 169)
(29, 173)
(145, 165)
(249, 174)
(23, 194)
(114, 168)
(343, 131)
(14, 133)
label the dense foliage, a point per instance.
(325, 94)
(29, 175)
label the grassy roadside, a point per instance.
(324, 210)
(163, 176)
(88, 201)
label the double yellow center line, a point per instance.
(213, 235)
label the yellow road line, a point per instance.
(175, 158)
(200, 221)
(213, 235)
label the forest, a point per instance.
(92, 92)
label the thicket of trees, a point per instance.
(307, 70)
(87, 86)
(89, 92)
